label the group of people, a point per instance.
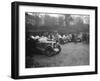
(62, 38)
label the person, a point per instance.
(37, 37)
(32, 37)
(43, 39)
(57, 37)
(51, 36)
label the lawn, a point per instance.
(72, 54)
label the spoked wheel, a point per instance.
(57, 49)
(49, 51)
(53, 51)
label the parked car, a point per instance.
(46, 47)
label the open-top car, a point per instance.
(47, 47)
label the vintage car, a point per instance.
(46, 47)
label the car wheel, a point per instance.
(49, 51)
(58, 47)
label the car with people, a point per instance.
(45, 46)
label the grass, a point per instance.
(72, 54)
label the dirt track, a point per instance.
(71, 55)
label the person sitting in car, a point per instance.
(43, 39)
(37, 37)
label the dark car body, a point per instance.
(48, 48)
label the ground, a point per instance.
(72, 54)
